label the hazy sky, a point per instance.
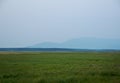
(27, 22)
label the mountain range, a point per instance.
(82, 43)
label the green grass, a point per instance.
(59, 67)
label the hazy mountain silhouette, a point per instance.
(82, 43)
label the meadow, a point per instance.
(59, 67)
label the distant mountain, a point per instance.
(45, 45)
(82, 43)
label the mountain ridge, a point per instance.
(82, 43)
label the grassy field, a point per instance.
(81, 67)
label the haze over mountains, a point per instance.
(82, 43)
(24, 23)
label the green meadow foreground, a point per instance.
(36, 67)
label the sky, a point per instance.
(27, 22)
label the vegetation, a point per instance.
(37, 67)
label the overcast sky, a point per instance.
(27, 22)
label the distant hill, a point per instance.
(82, 43)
